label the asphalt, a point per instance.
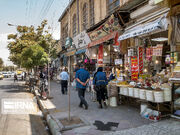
(19, 124)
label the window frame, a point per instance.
(91, 13)
(85, 16)
(113, 4)
(74, 24)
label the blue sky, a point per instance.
(28, 12)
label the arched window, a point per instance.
(74, 26)
(112, 5)
(91, 12)
(85, 16)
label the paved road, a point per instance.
(19, 124)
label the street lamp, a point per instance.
(13, 25)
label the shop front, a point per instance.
(103, 48)
(147, 66)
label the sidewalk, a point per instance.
(125, 116)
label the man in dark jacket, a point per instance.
(100, 81)
(82, 78)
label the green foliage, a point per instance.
(33, 56)
(1, 63)
(30, 46)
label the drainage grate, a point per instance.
(110, 126)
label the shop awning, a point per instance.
(157, 25)
(103, 39)
(81, 51)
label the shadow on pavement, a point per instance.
(38, 125)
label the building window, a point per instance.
(91, 12)
(74, 26)
(85, 16)
(64, 33)
(112, 5)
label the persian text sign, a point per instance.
(134, 68)
(81, 40)
(140, 58)
(111, 25)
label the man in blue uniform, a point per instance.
(82, 78)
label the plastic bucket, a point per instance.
(113, 102)
(167, 95)
(142, 94)
(131, 92)
(121, 90)
(158, 96)
(149, 95)
(136, 92)
(125, 91)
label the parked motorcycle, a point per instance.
(43, 89)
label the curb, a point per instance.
(53, 126)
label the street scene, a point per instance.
(90, 67)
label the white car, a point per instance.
(9, 74)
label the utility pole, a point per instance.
(69, 104)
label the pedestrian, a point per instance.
(82, 79)
(15, 77)
(64, 80)
(112, 76)
(100, 81)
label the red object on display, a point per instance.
(140, 57)
(134, 68)
(100, 55)
(116, 40)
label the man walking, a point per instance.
(82, 78)
(64, 81)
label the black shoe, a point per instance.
(86, 107)
(80, 106)
(100, 107)
(105, 105)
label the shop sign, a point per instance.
(157, 50)
(149, 53)
(140, 59)
(81, 40)
(134, 68)
(157, 1)
(118, 62)
(147, 28)
(130, 52)
(100, 41)
(174, 58)
(108, 27)
(68, 42)
(100, 54)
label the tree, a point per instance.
(34, 56)
(1, 63)
(24, 43)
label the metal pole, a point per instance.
(48, 77)
(69, 105)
